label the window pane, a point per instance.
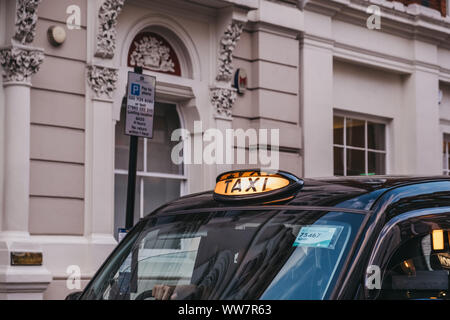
(158, 191)
(444, 160)
(417, 271)
(160, 147)
(355, 133)
(355, 162)
(448, 153)
(120, 201)
(338, 161)
(338, 130)
(377, 163)
(122, 144)
(122, 148)
(376, 138)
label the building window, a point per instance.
(359, 147)
(158, 179)
(446, 155)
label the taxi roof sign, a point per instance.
(248, 185)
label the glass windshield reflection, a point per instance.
(229, 255)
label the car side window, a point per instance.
(419, 269)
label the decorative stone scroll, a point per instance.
(106, 36)
(102, 80)
(228, 43)
(223, 99)
(20, 62)
(26, 19)
(153, 52)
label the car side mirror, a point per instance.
(74, 295)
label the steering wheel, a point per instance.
(144, 295)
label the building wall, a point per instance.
(375, 94)
(193, 29)
(57, 127)
(304, 64)
(272, 97)
(57, 184)
(387, 74)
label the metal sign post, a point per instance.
(131, 188)
(139, 123)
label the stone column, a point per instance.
(222, 94)
(102, 81)
(222, 99)
(317, 105)
(19, 63)
(418, 133)
(101, 78)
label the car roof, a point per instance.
(338, 192)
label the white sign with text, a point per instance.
(140, 105)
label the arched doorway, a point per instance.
(158, 179)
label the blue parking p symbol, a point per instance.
(135, 89)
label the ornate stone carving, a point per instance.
(106, 37)
(102, 80)
(228, 42)
(223, 99)
(20, 62)
(26, 18)
(153, 54)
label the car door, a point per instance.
(411, 257)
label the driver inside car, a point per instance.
(220, 258)
(217, 259)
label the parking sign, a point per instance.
(140, 105)
(135, 89)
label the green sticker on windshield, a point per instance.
(318, 236)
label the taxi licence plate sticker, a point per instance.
(318, 236)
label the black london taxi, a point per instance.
(271, 235)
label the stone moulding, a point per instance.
(152, 53)
(20, 62)
(228, 43)
(223, 99)
(26, 19)
(102, 80)
(106, 36)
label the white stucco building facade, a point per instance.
(347, 100)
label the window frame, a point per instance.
(366, 149)
(144, 173)
(446, 167)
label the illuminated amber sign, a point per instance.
(438, 239)
(254, 183)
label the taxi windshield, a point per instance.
(229, 254)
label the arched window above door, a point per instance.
(153, 52)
